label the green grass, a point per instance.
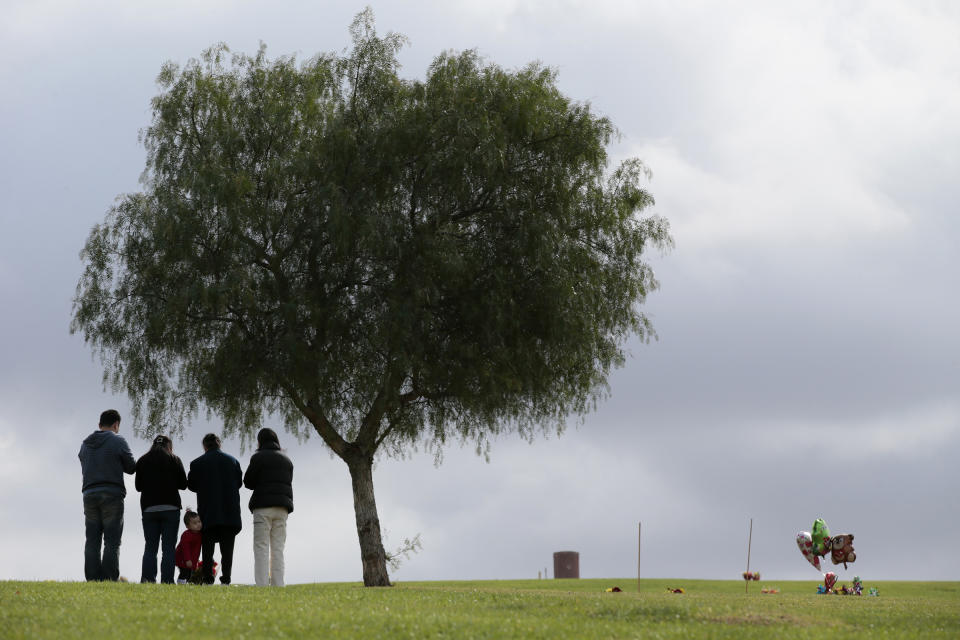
(553, 609)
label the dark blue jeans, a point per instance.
(103, 513)
(159, 525)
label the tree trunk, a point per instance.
(368, 523)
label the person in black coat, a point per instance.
(160, 476)
(270, 477)
(216, 478)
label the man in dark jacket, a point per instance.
(104, 458)
(270, 476)
(216, 478)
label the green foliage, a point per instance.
(409, 547)
(387, 261)
(550, 609)
(392, 260)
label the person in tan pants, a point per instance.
(270, 477)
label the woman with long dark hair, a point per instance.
(160, 476)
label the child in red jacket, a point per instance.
(188, 551)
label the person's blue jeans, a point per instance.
(157, 526)
(103, 515)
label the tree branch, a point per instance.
(367, 438)
(321, 424)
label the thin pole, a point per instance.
(639, 532)
(749, 544)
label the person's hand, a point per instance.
(189, 564)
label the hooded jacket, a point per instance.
(270, 477)
(104, 458)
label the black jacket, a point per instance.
(216, 478)
(270, 477)
(159, 478)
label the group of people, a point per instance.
(216, 478)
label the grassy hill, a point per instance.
(553, 609)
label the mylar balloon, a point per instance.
(805, 542)
(829, 580)
(820, 534)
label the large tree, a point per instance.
(380, 260)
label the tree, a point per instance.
(379, 260)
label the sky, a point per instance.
(807, 362)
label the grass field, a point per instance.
(554, 609)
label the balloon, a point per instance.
(805, 542)
(820, 534)
(829, 580)
(841, 549)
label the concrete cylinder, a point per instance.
(566, 564)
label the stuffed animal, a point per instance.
(841, 549)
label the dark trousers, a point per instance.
(157, 526)
(224, 536)
(103, 518)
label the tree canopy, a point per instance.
(379, 260)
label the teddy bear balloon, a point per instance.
(819, 543)
(841, 549)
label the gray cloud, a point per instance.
(808, 356)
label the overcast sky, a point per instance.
(808, 361)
